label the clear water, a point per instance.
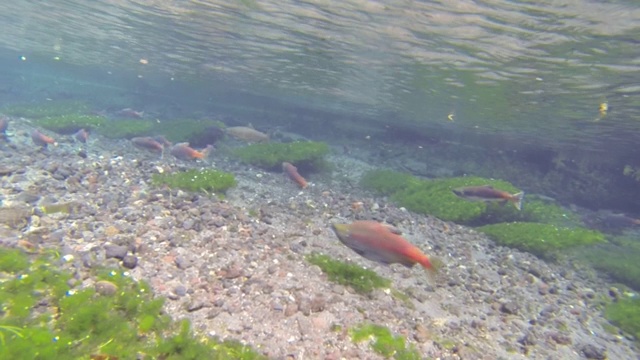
(482, 84)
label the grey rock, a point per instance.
(106, 288)
(115, 251)
(591, 351)
(130, 261)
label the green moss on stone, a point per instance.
(625, 314)
(196, 180)
(360, 279)
(387, 182)
(70, 123)
(46, 109)
(180, 130)
(306, 155)
(383, 342)
(127, 129)
(540, 239)
(619, 262)
(43, 318)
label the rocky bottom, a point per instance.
(236, 267)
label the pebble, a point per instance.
(106, 288)
(593, 352)
(115, 251)
(509, 308)
(130, 261)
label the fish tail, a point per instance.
(517, 200)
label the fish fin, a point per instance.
(393, 229)
(517, 200)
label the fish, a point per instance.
(247, 134)
(381, 243)
(4, 124)
(147, 143)
(41, 139)
(488, 193)
(81, 135)
(130, 113)
(162, 140)
(183, 151)
(292, 173)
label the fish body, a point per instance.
(130, 113)
(82, 136)
(183, 151)
(292, 173)
(147, 143)
(162, 140)
(247, 134)
(381, 243)
(41, 139)
(488, 193)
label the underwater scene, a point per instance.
(262, 179)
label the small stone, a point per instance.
(130, 261)
(106, 288)
(188, 224)
(290, 310)
(560, 338)
(590, 351)
(180, 290)
(115, 251)
(509, 308)
(194, 305)
(422, 334)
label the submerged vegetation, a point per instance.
(360, 279)
(384, 342)
(43, 317)
(540, 239)
(625, 314)
(306, 155)
(196, 180)
(70, 123)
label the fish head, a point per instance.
(342, 231)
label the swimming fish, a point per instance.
(381, 243)
(41, 139)
(247, 134)
(488, 193)
(147, 143)
(292, 173)
(130, 113)
(183, 151)
(81, 135)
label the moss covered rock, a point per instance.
(540, 239)
(70, 123)
(306, 155)
(196, 180)
(360, 279)
(387, 182)
(384, 342)
(617, 259)
(127, 129)
(46, 109)
(197, 132)
(625, 314)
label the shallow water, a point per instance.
(545, 94)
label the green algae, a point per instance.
(387, 182)
(180, 130)
(540, 239)
(383, 342)
(127, 129)
(196, 180)
(70, 123)
(307, 155)
(43, 317)
(46, 109)
(625, 314)
(362, 280)
(617, 259)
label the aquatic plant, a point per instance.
(70, 123)
(617, 259)
(625, 314)
(207, 180)
(540, 239)
(46, 109)
(43, 318)
(127, 129)
(181, 130)
(306, 155)
(387, 182)
(360, 279)
(384, 342)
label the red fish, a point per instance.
(130, 113)
(147, 143)
(488, 193)
(292, 173)
(81, 135)
(381, 243)
(183, 151)
(41, 139)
